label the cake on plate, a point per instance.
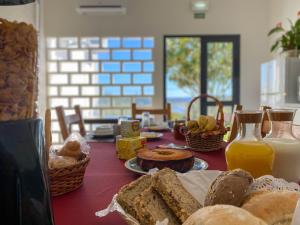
(178, 160)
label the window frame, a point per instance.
(204, 40)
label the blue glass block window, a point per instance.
(111, 67)
(90, 42)
(142, 55)
(101, 102)
(103, 78)
(121, 79)
(149, 42)
(133, 42)
(148, 67)
(132, 67)
(121, 55)
(143, 101)
(111, 42)
(142, 78)
(101, 55)
(148, 90)
(132, 90)
(111, 90)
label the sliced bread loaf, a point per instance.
(151, 208)
(129, 192)
(182, 203)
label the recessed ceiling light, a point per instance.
(199, 5)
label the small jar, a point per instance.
(146, 121)
(177, 130)
(248, 151)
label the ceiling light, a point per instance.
(199, 6)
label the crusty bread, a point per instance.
(223, 215)
(229, 188)
(182, 203)
(152, 208)
(129, 192)
(276, 208)
(71, 149)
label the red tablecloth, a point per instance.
(103, 178)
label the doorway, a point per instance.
(200, 64)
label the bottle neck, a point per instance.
(281, 129)
(249, 131)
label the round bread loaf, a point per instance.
(178, 160)
(223, 215)
(274, 207)
(229, 188)
(71, 149)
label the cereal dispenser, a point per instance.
(24, 191)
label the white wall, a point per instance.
(25, 13)
(280, 10)
(161, 17)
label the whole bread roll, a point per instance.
(71, 149)
(223, 215)
(274, 207)
(229, 188)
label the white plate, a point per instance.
(132, 165)
(151, 135)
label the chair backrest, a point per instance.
(166, 111)
(233, 124)
(66, 122)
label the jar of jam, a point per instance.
(177, 130)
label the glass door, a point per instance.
(201, 64)
(182, 69)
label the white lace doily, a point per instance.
(271, 183)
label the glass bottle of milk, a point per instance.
(285, 145)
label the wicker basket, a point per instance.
(212, 142)
(67, 179)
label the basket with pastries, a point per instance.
(67, 165)
(206, 133)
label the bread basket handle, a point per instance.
(220, 113)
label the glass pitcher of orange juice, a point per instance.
(248, 151)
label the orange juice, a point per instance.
(254, 156)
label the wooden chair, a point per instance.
(233, 124)
(166, 111)
(66, 122)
